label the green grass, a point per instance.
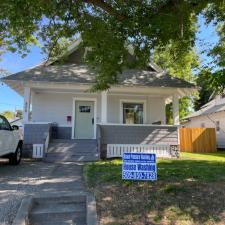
(217, 156)
(182, 194)
(207, 167)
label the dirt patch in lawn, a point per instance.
(186, 203)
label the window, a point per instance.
(217, 126)
(132, 113)
(85, 109)
(4, 125)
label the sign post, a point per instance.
(139, 166)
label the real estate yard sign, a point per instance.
(139, 166)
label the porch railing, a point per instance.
(162, 151)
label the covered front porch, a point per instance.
(119, 105)
(120, 116)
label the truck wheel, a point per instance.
(16, 157)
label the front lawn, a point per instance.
(190, 190)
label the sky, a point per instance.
(12, 62)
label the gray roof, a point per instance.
(213, 106)
(82, 74)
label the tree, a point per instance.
(8, 114)
(211, 78)
(180, 66)
(106, 27)
(205, 91)
(216, 78)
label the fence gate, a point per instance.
(197, 140)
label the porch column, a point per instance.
(176, 118)
(104, 107)
(26, 105)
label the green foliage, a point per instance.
(185, 107)
(106, 27)
(211, 79)
(178, 65)
(216, 79)
(205, 89)
(8, 114)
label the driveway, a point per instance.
(33, 177)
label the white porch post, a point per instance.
(26, 106)
(176, 118)
(104, 107)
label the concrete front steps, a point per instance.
(75, 209)
(59, 210)
(61, 150)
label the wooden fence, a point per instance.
(198, 140)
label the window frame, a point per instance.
(133, 101)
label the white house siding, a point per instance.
(210, 121)
(55, 107)
(155, 107)
(156, 110)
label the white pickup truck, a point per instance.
(11, 142)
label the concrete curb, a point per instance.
(91, 210)
(23, 212)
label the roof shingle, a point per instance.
(82, 74)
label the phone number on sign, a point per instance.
(139, 175)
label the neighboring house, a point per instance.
(211, 115)
(131, 112)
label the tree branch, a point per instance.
(106, 7)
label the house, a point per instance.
(129, 114)
(211, 115)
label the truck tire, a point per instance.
(15, 158)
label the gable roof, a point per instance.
(73, 71)
(82, 74)
(214, 106)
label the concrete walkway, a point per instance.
(65, 179)
(36, 178)
(60, 175)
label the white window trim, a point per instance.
(74, 113)
(144, 102)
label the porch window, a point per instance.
(132, 113)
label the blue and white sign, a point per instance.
(139, 166)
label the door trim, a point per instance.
(74, 113)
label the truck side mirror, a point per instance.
(15, 127)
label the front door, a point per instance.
(84, 120)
